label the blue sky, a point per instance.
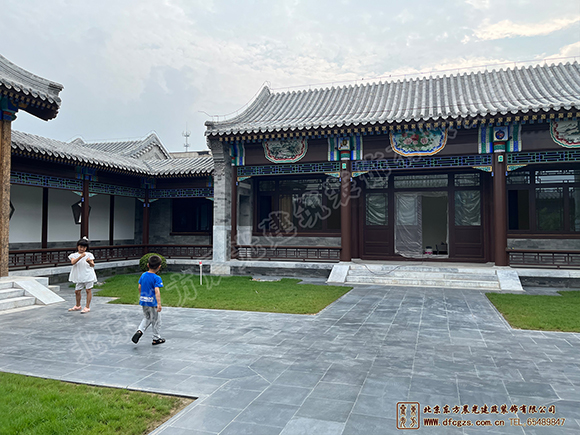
(131, 67)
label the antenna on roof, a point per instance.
(186, 135)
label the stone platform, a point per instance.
(20, 292)
(339, 372)
(423, 274)
(408, 273)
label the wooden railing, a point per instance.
(34, 258)
(119, 252)
(183, 251)
(294, 253)
(544, 257)
(26, 259)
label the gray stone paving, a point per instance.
(340, 372)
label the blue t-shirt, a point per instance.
(148, 283)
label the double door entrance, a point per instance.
(437, 216)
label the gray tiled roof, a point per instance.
(129, 148)
(26, 85)
(518, 90)
(182, 166)
(77, 152)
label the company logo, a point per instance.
(408, 415)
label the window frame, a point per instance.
(531, 189)
(276, 195)
(173, 232)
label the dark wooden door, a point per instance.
(466, 229)
(377, 231)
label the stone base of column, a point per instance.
(220, 269)
(221, 243)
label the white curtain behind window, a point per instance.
(409, 222)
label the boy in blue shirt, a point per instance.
(150, 300)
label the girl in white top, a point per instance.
(82, 274)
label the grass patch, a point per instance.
(31, 405)
(229, 293)
(540, 312)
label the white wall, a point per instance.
(124, 218)
(99, 217)
(61, 226)
(26, 222)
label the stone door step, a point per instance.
(5, 285)
(475, 278)
(17, 310)
(11, 293)
(425, 282)
(402, 268)
(18, 302)
(18, 292)
(408, 274)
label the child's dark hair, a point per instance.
(83, 242)
(154, 262)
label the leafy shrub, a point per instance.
(145, 259)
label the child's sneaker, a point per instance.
(137, 336)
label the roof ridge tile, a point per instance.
(464, 94)
(85, 155)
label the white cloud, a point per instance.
(479, 4)
(404, 17)
(156, 64)
(509, 29)
(571, 50)
(444, 67)
(447, 67)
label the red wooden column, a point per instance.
(146, 218)
(5, 156)
(112, 220)
(44, 231)
(234, 235)
(85, 210)
(499, 209)
(345, 210)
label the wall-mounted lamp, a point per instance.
(77, 209)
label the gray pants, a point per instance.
(151, 317)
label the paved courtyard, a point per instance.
(341, 372)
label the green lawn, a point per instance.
(41, 406)
(229, 293)
(546, 313)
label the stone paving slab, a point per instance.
(340, 372)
